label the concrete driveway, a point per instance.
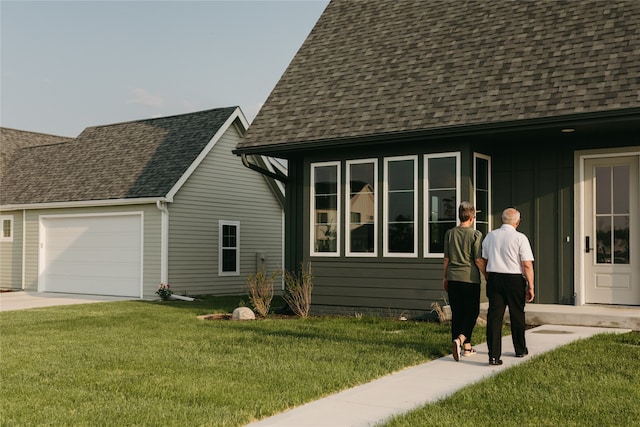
(21, 300)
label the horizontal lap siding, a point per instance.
(222, 188)
(378, 286)
(11, 255)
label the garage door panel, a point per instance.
(93, 254)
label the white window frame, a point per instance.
(385, 224)
(489, 189)
(3, 237)
(312, 211)
(221, 247)
(348, 208)
(425, 224)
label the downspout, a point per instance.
(24, 247)
(164, 241)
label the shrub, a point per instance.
(261, 291)
(297, 290)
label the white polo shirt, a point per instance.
(504, 249)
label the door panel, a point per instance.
(611, 231)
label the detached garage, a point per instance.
(126, 207)
(100, 254)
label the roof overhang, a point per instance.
(84, 203)
(602, 121)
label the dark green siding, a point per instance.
(533, 173)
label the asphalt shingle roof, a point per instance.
(14, 139)
(375, 67)
(135, 159)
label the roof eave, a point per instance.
(84, 203)
(488, 128)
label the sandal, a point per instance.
(457, 349)
(469, 351)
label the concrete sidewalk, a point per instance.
(374, 402)
(21, 300)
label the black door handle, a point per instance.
(587, 244)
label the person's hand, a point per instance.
(445, 285)
(530, 293)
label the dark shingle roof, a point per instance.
(374, 67)
(14, 139)
(136, 159)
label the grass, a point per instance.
(155, 363)
(592, 382)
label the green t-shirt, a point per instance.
(463, 245)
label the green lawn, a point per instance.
(155, 363)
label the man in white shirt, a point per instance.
(509, 267)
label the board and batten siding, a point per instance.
(11, 255)
(151, 241)
(222, 188)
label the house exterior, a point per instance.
(533, 105)
(125, 207)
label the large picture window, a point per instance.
(482, 185)
(229, 248)
(400, 206)
(442, 197)
(325, 209)
(362, 207)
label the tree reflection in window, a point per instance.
(612, 214)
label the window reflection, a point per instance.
(612, 214)
(362, 206)
(400, 209)
(325, 208)
(441, 200)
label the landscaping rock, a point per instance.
(243, 313)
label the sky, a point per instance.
(68, 65)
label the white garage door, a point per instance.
(100, 255)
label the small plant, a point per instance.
(443, 312)
(297, 290)
(164, 292)
(261, 291)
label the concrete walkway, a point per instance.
(379, 400)
(22, 300)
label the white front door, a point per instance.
(611, 230)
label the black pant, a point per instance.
(505, 290)
(464, 298)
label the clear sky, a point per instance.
(68, 65)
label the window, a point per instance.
(7, 228)
(400, 206)
(229, 248)
(482, 184)
(362, 207)
(442, 197)
(325, 209)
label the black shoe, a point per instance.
(493, 361)
(526, 351)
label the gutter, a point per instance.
(263, 171)
(281, 149)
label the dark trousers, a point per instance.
(464, 299)
(505, 290)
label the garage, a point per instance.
(91, 254)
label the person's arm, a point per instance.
(481, 263)
(445, 265)
(527, 270)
